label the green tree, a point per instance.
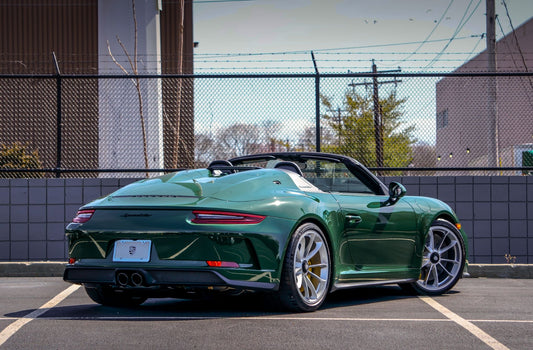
(18, 156)
(356, 133)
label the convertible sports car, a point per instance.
(295, 226)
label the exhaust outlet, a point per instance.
(136, 279)
(122, 279)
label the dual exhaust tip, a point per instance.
(132, 279)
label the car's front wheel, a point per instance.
(111, 297)
(306, 270)
(443, 260)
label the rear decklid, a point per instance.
(191, 187)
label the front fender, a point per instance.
(430, 209)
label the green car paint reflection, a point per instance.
(295, 225)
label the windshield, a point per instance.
(329, 175)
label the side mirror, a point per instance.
(396, 191)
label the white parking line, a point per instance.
(450, 317)
(503, 321)
(469, 326)
(20, 322)
(261, 318)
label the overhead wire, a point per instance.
(457, 29)
(509, 49)
(460, 26)
(428, 36)
(474, 49)
(212, 58)
(515, 37)
(330, 49)
(506, 43)
(457, 59)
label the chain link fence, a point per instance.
(394, 123)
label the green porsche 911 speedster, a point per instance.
(295, 226)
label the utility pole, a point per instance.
(492, 88)
(378, 120)
(317, 103)
(378, 117)
(338, 121)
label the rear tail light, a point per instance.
(211, 263)
(224, 218)
(83, 216)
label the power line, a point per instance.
(336, 49)
(458, 29)
(346, 60)
(506, 43)
(519, 50)
(515, 37)
(475, 48)
(429, 35)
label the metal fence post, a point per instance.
(317, 103)
(58, 116)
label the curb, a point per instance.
(32, 269)
(56, 268)
(500, 270)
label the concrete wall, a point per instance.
(496, 212)
(34, 213)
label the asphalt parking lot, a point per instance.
(47, 313)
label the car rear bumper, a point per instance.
(154, 277)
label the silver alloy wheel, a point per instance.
(311, 267)
(442, 260)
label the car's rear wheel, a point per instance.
(306, 270)
(111, 297)
(443, 260)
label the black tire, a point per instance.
(110, 297)
(306, 273)
(443, 260)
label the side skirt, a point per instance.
(338, 286)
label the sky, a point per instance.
(350, 31)
(278, 36)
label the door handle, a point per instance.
(353, 219)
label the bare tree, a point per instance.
(271, 131)
(240, 139)
(307, 139)
(203, 152)
(424, 156)
(136, 81)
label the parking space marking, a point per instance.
(20, 322)
(260, 318)
(244, 318)
(503, 321)
(469, 326)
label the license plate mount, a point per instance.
(129, 250)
